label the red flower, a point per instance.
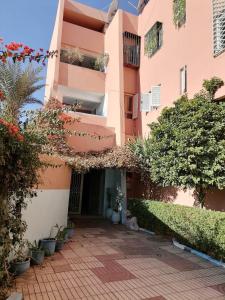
(65, 118)
(1, 95)
(20, 137)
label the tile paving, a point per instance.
(103, 261)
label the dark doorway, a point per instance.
(93, 193)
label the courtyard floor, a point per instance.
(106, 261)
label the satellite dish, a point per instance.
(112, 10)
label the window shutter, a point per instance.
(145, 102)
(155, 96)
(135, 106)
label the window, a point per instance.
(129, 106)
(153, 39)
(183, 80)
(179, 12)
(131, 49)
(219, 25)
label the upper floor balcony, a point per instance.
(84, 38)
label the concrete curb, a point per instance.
(199, 254)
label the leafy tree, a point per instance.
(186, 147)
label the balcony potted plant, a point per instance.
(37, 254)
(117, 206)
(69, 230)
(60, 238)
(72, 56)
(102, 62)
(48, 245)
(21, 261)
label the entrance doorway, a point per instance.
(87, 193)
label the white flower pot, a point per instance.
(115, 217)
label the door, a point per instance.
(76, 188)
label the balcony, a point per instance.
(77, 58)
(81, 78)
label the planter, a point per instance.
(37, 257)
(69, 233)
(59, 245)
(19, 268)
(109, 213)
(115, 217)
(48, 245)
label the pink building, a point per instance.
(151, 62)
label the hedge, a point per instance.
(201, 229)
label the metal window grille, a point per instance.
(131, 49)
(219, 25)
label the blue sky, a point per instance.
(31, 22)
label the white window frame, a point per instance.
(183, 80)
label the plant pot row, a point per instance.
(46, 247)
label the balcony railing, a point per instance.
(75, 57)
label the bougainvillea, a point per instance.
(21, 144)
(21, 52)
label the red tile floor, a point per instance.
(105, 261)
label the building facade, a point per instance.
(123, 69)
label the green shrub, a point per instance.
(201, 229)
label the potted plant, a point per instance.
(117, 206)
(21, 261)
(60, 238)
(48, 245)
(109, 209)
(101, 62)
(69, 230)
(37, 254)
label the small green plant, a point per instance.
(179, 12)
(61, 233)
(34, 246)
(212, 86)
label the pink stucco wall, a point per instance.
(191, 45)
(114, 84)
